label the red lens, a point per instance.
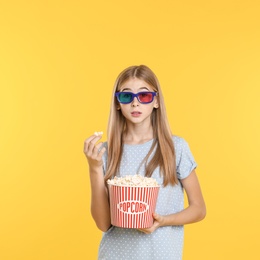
(145, 97)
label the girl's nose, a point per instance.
(135, 102)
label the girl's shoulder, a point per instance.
(180, 143)
(178, 140)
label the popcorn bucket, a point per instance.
(132, 206)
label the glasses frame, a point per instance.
(136, 95)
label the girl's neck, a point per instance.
(137, 136)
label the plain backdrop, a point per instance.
(58, 64)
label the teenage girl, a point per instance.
(140, 142)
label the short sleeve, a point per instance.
(185, 162)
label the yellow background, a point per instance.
(58, 63)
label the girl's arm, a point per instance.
(195, 211)
(100, 209)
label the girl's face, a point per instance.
(136, 112)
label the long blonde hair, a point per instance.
(164, 155)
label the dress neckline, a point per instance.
(139, 144)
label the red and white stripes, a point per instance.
(132, 207)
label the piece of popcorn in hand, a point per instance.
(98, 133)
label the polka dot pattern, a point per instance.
(166, 242)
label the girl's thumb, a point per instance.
(155, 215)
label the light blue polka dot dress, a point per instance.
(165, 243)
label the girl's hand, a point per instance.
(158, 222)
(92, 152)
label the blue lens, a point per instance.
(125, 97)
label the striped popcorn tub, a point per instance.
(132, 206)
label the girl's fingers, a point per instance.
(90, 143)
(96, 149)
(100, 154)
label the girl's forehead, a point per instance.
(135, 84)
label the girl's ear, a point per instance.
(156, 104)
(118, 105)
